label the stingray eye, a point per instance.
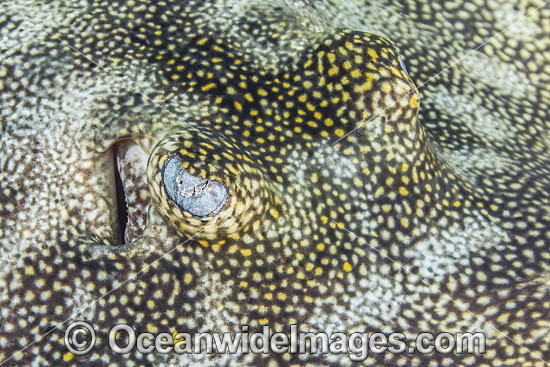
(198, 196)
(206, 186)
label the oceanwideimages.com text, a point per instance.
(80, 339)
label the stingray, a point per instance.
(226, 166)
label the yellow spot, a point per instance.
(249, 97)
(366, 171)
(333, 70)
(281, 296)
(414, 102)
(386, 88)
(174, 334)
(372, 53)
(246, 252)
(204, 243)
(187, 278)
(208, 87)
(456, 204)
(370, 78)
(308, 299)
(312, 123)
(29, 270)
(238, 106)
(275, 213)
(339, 132)
(263, 321)
(262, 92)
(202, 41)
(347, 267)
(345, 96)
(324, 219)
(403, 191)
(68, 356)
(244, 284)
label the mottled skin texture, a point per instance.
(356, 201)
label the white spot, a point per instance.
(496, 74)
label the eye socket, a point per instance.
(198, 196)
(206, 186)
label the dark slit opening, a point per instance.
(122, 207)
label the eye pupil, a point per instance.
(198, 196)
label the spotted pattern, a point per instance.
(356, 201)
